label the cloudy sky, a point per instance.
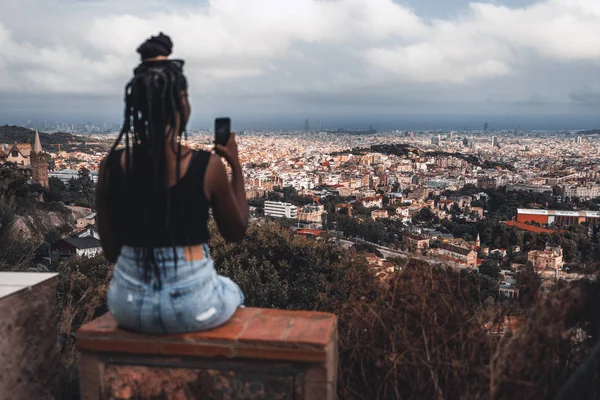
(271, 63)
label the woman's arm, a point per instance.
(228, 200)
(108, 238)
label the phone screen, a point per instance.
(222, 130)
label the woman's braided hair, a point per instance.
(154, 112)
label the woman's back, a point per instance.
(178, 219)
(153, 201)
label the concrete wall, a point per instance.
(28, 340)
(257, 355)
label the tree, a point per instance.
(83, 189)
(455, 210)
(367, 248)
(490, 268)
(529, 283)
(426, 215)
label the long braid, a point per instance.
(151, 104)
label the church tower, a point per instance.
(478, 241)
(39, 163)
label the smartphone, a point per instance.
(222, 130)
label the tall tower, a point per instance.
(306, 125)
(39, 163)
(495, 141)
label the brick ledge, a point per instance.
(259, 334)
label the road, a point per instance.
(387, 253)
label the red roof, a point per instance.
(531, 228)
(309, 232)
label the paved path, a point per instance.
(388, 252)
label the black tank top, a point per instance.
(188, 210)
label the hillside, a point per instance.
(50, 141)
(402, 150)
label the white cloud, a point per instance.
(496, 41)
(90, 48)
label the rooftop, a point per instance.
(560, 213)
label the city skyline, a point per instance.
(514, 124)
(269, 65)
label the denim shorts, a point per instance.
(190, 297)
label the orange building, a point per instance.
(557, 217)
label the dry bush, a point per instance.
(16, 253)
(81, 297)
(560, 331)
(422, 337)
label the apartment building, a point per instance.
(279, 209)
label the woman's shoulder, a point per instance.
(201, 156)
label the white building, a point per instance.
(584, 192)
(280, 210)
(66, 175)
(525, 187)
(87, 246)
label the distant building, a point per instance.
(461, 255)
(487, 183)
(549, 258)
(19, 153)
(87, 246)
(280, 210)
(32, 160)
(376, 201)
(578, 140)
(89, 219)
(377, 214)
(525, 187)
(39, 162)
(417, 242)
(583, 192)
(508, 288)
(545, 217)
(66, 175)
(485, 127)
(313, 233)
(495, 141)
(88, 231)
(311, 214)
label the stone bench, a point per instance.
(258, 354)
(28, 346)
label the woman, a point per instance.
(153, 200)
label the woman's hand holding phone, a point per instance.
(229, 152)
